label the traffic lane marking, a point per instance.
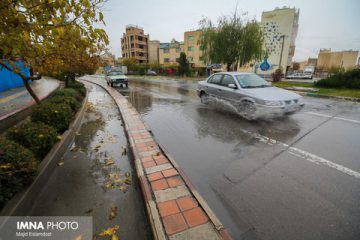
(329, 116)
(304, 154)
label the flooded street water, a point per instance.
(96, 176)
(290, 178)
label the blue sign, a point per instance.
(264, 66)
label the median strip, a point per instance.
(175, 209)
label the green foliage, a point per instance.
(130, 63)
(36, 136)
(233, 41)
(58, 37)
(79, 87)
(56, 115)
(71, 101)
(141, 69)
(18, 167)
(349, 79)
(183, 68)
(68, 92)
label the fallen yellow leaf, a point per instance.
(110, 231)
(109, 162)
(80, 237)
(114, 237)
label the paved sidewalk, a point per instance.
(176, 210)
(18, 98)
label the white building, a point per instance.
(280, 31)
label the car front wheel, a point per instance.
(247, 110)
(204, 98)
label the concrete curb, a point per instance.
(175, 209)
(12, 118)
(23, 201)
(310, 94)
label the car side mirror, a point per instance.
(231, 85)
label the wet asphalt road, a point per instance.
(291, 178)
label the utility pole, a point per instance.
(282, 49)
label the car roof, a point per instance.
(235, 73)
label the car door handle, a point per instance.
(219, 90)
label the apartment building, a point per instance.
(280, 30)
(154, 51)
(170, 52)
(192, 48)
(134, 44)
(342, 59)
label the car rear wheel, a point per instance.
(204, 98)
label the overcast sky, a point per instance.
(323, 23)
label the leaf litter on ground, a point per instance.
(113, 212)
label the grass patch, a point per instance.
(340, 92)
(292, 84)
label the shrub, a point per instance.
(17, 169)
(71, 101)
(36, 136)
(349, 79)
(78, 87)
(57, 115)
(277, 75)
(68, 92)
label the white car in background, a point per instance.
(304, 75)
(116, 78)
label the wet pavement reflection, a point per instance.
(96, 176)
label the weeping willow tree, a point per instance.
(235, 41)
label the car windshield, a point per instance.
(115, 73)
(251, 81)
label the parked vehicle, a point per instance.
(151, 73)
(251, 95)
(299, 76)
(116, 78)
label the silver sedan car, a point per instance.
(251, 95)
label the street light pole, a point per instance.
(282, 49)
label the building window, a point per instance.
(166, 60)
(190, 59)
(178, 49)
(190, 48)
(166, 50)
(190, 37)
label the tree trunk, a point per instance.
(29, 89)
(228, 67)
(26, 82)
